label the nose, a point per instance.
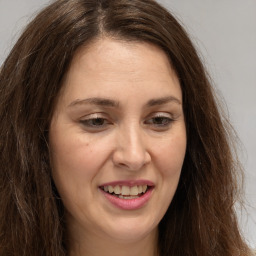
(131, 152)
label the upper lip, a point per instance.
(129, 183)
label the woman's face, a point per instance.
(118, 139)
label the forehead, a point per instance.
(124, 56)
(107, 65)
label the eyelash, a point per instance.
(91, 122)
(165, 121)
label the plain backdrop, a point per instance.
(224, 32)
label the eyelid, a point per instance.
(87, 122)
(96, 122)
(94, 116)
(166, 117)
(161, 114)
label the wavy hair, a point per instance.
(200, 220)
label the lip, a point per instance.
(129, 204)
(129, 183)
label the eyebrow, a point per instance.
(95, 101)
(162, 101)
(113, 103)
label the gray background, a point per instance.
(225, 34)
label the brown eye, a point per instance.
(95, 122)
(159, 121)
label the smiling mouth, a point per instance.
(126, 192)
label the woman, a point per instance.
(116, 140)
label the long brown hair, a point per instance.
(201, 218)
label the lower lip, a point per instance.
(129, 204)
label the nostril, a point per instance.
(123, 165)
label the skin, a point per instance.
(130, 140)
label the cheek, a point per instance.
(169, 160)
(74, 163)
(170, 156)
(73, 149)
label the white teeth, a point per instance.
(126, 190)
(128, 197)
(134, 191)
(110, 189)
(117, 190)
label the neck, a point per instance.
(93, 245)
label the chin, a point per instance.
(127, 231)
